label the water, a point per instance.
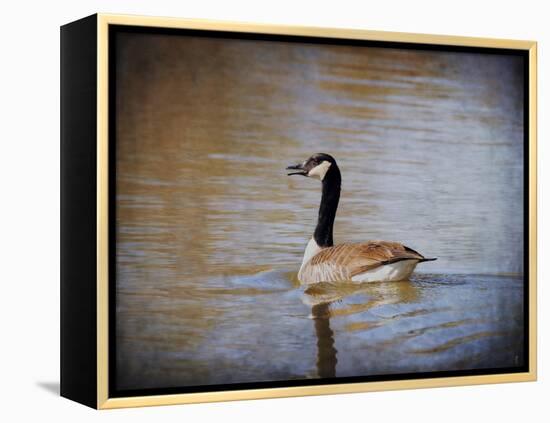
(211, 231)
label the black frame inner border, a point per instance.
(113, 392)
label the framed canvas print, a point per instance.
(254, 211)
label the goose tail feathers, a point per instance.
(427, 259)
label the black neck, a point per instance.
(327, 210)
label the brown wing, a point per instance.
(348, 260)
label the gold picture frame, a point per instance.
(100, 25)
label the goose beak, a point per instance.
(299, 168)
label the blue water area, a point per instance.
(266, 327)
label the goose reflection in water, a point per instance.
(323, 296)
(326, 353)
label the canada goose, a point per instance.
(372, 261)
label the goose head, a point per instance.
(318, 166)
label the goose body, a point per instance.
(371, 261)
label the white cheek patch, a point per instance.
(320, 170)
